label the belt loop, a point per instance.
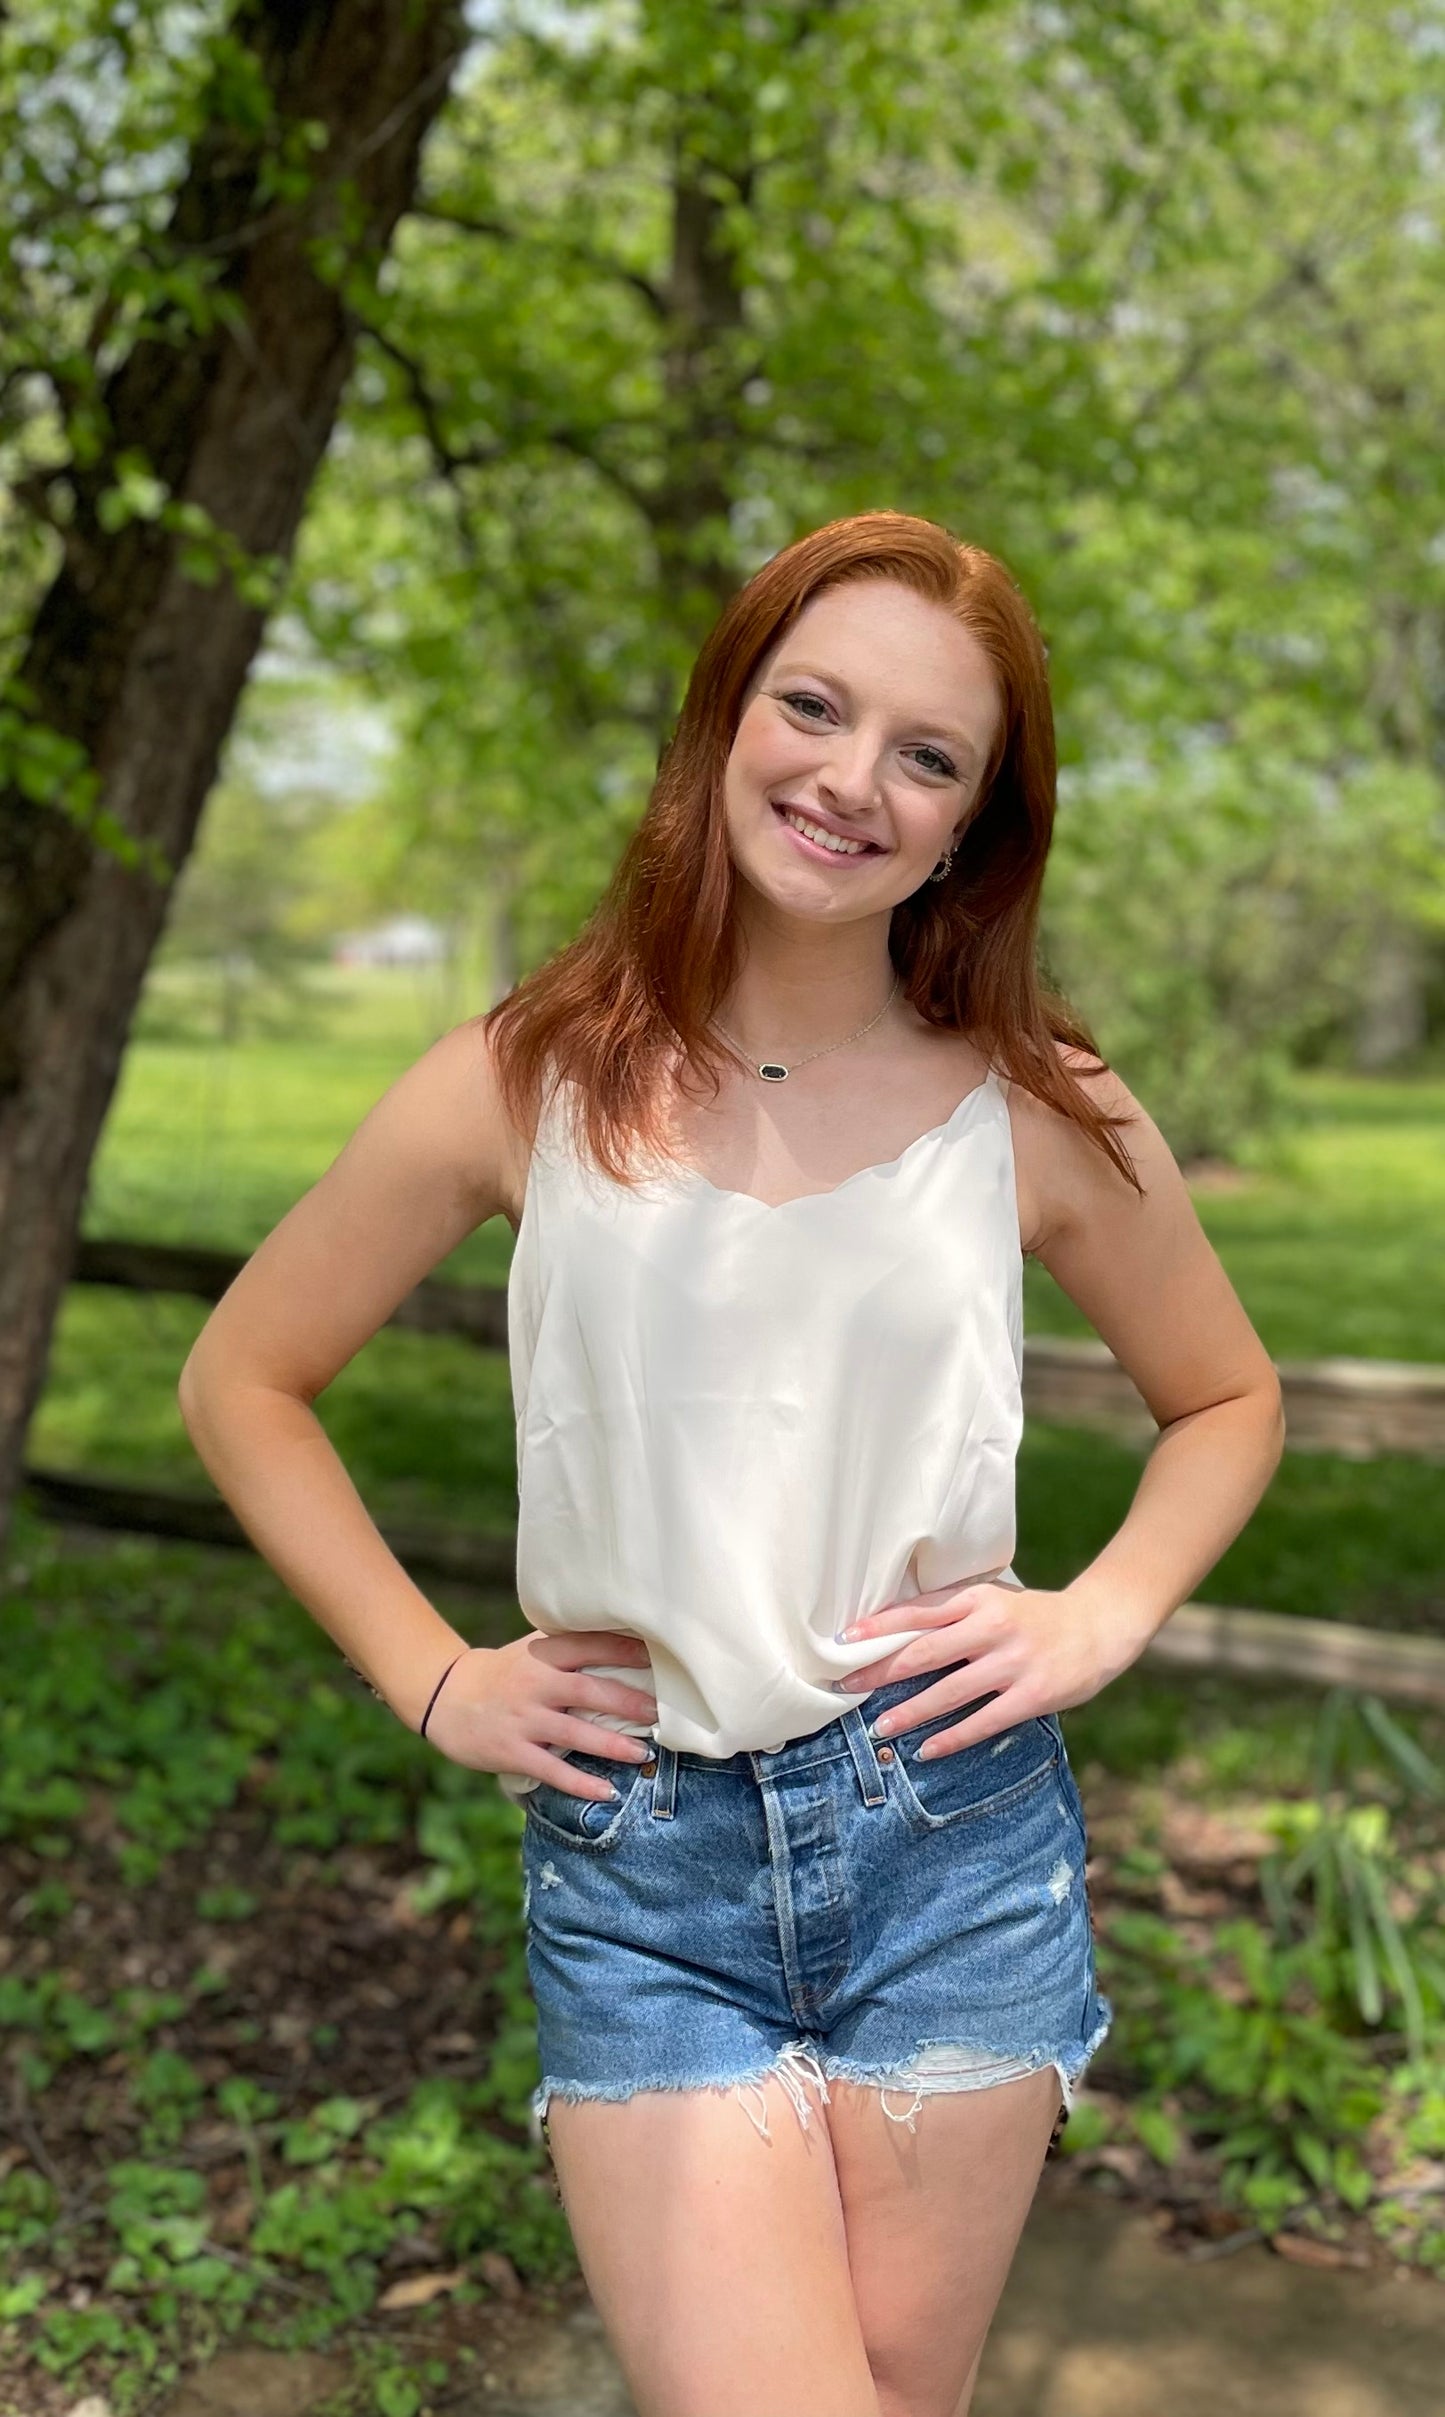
(664, 1784)
(872, 1785)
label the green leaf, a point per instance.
(1159, 2133)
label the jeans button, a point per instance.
(647, 1768)
(885, 1753)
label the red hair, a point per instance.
(655, 959)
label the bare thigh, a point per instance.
(849, 2270)
(717, 2260)
(933, 2218)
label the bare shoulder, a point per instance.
(1059, 1171)
(1062, 1173)
(1136, 1261)
(433, 1158)
(443, 1123)
(452, 1097)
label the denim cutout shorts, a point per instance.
(833, 1911)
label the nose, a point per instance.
(848, 774)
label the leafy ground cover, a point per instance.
(1269, 1881)
(265, 2026)
(267, 2041)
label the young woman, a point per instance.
(807, 1925)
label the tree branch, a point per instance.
(496, 230)
(452, 459)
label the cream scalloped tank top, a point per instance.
(741, 1425)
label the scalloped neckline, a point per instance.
(686, 1175)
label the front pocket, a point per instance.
(585, 1821)
(983, 1779)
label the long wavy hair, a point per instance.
(633, 994)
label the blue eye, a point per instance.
(800, 698)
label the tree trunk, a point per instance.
(143, 665)
(690, 512)
(1392, 1021)
(701, 383)
(504, 957)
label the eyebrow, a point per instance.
(830, 679)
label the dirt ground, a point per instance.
(1099, 2320)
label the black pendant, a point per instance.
(773, 1074)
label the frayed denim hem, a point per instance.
(940, 2067)
(792, 2065)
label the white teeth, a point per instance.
(822, 838)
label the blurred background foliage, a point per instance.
(1146, 297)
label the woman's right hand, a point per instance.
(503, 1706)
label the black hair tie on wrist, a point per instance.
(441, 1682)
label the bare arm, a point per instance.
(1147, 1278)
(434, 1158)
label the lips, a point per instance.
(823, 821)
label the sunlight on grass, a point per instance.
(1331, 1240)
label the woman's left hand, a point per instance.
(1029, 1649)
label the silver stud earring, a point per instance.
(941, 869)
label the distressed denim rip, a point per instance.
(836, 1910)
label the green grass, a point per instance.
(1333, 1247)
(1331, 1243)
(1332, 1539)
(425, 1427)
(423, 1423)
(1332, 1239)
(212, 1145)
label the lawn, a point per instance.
(262, 1987)
(1333, 1248)
(1331, 1241)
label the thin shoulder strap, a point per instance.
(550, 1134)
(551, 1101)
(556, 1147)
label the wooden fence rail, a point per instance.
(474, 1313)
(1355, 1409)
(1350, 1409)
(1266, 1644)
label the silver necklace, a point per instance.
(773, 1070)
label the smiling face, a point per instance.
(862, 743)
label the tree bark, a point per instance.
(138, 662)
(690, 512)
